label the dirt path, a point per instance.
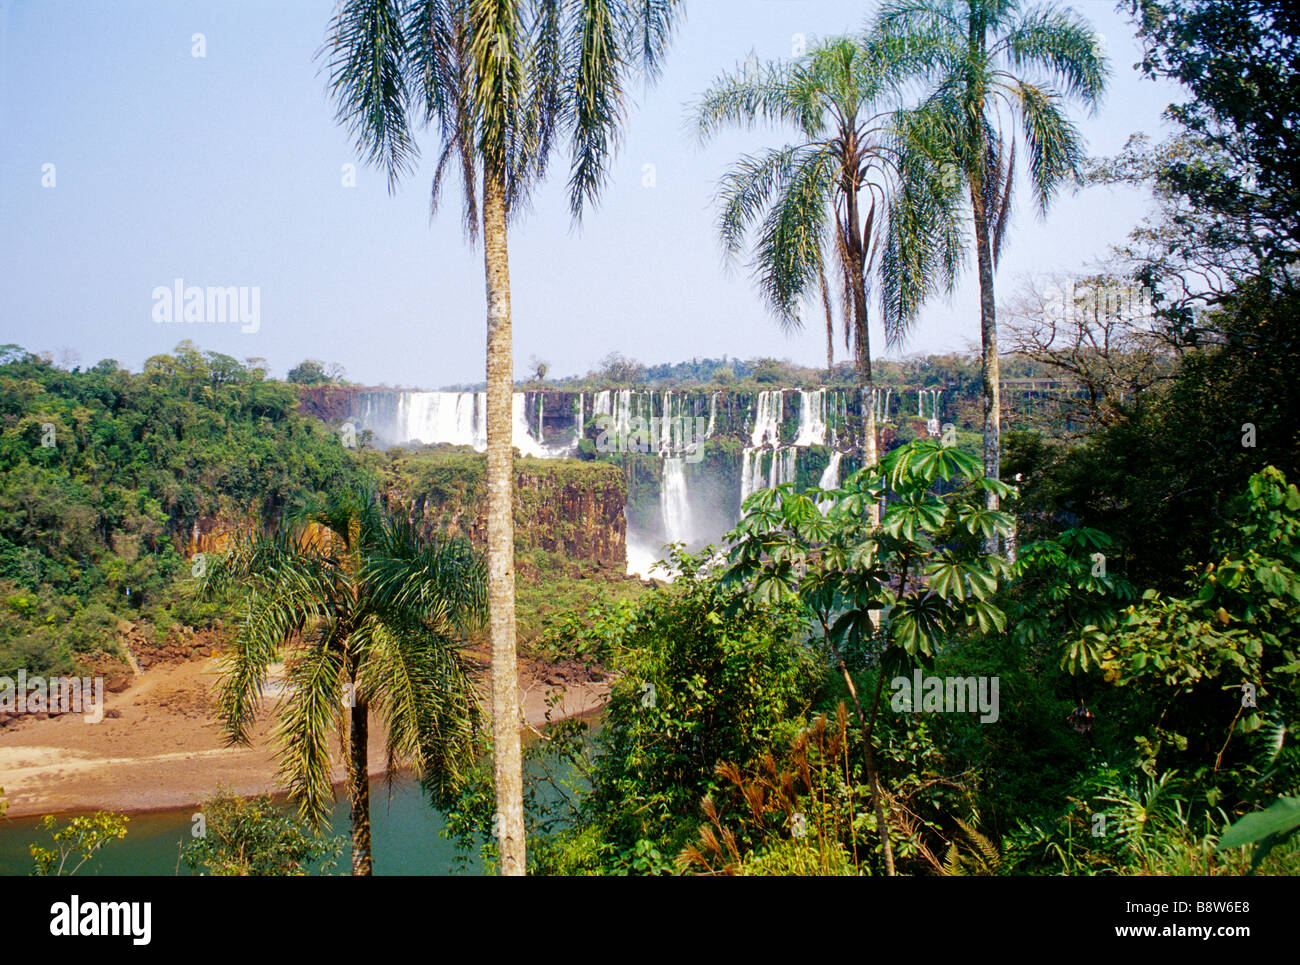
(164, 747)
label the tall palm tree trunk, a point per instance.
(861, 334)
(862, 339)
(359, 790)
(989, 341)
(508, 768)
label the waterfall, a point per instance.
(541, 419)
(520, 437)
(441, 417)
(812, 418)
(623, 411)
(933, 395)
(840, 408)
(750, 465)
(713, 415)
(460, 419)
(880, 399)
(666, 424)
(579, 427)
(617, 404)
(674, 502)
(783, 466)
(765, 463)
(831, 475)
(480, 421)
(780, 469)
(768, 416)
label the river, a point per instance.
(405, 838)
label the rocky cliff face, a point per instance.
(578, 514)
(329, 403)
(568, 507)
(561, 506)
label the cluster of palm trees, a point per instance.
(905, 135)
(906, 140)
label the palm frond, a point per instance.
(1003, 209)
(597, 67)
(757, 93)
(1055, 144)
(746, 191)
(788, 251)
(440, 582)
(364, 54)
(648, 27)
(1062, 46)
(309, 716)
(419, 685)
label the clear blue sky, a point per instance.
(227, 170)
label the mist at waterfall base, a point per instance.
(692, 509)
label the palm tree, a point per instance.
(991, 66)
(369, 616)
(500, 82)
(804, 201)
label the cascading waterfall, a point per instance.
(780, 466)
(767, 419)
(749, 462)
(713, 415)
(460, 419)
(675, 502)
(839, 409)
(668, 425)
(441, 417)
(455, 418)
(812, 418)
(933, 395)
(783, 466)
(617, 405)
(765, 438)
(579, 426)
(880, 400)
(831, 474)
(521, 438)
(765, 463)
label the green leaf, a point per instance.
(1266, 829)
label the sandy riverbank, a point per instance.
(164, 748)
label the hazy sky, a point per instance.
(228, 170)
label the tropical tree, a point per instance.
(805, 202)
(919, 564)
(992, 69)
(500, 82)
(368, 616)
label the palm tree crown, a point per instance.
(500, 81)
(992, 66)
(993, 69)
(805, 202)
